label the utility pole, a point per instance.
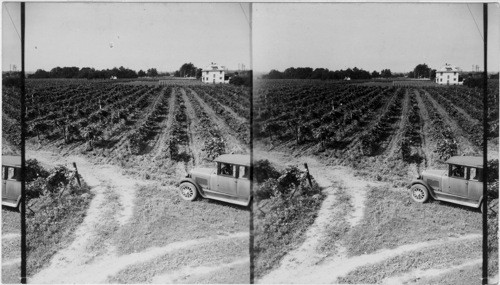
(485, 147)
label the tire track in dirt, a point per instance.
(106, 266)
(330, 270)
(234, 145)
(464, 145)
(183, 275)
(418, 274)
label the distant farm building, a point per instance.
(448, 75)
(214, 73)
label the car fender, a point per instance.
(198, 187)
(480, 201)
(420, 181)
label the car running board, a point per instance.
(454, 201)
(226, 198)
(9, 204)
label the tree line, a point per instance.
(325, 74)
(92, 73)
(420, 71)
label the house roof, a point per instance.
(449, 68)
(240, 159)
(11, 160)
(213, 67)
(474, 161)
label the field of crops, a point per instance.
(125, 122)
(354, 136)
(354, 123)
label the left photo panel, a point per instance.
(137, 142)
(11, 143)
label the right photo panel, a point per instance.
(368, 143)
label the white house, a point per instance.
(214, 73)
(448, 75)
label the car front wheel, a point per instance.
(188, 191)
(419, 193)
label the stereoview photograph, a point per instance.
(137, 142)
(368, 143)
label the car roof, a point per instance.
(11, 160)
(240, 159)
(474, 161)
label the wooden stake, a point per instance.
(308, 176)
(76, 174)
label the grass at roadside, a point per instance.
(391, 219)
(465, 275)
(435, 257)
(11, 247)
(161, 217)
(493, 237)
(280, 227)
(52, 225)
(284, 208)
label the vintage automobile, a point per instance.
(229, 182)
(461, 183)
(11, 180)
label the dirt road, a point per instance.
(307, 264)
(94, 257)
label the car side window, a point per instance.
(11, 174)
(226, 169)
(458, 171)
(475, 174)
(244, 172)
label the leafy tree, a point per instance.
(375, 74)
(237, 80)
(386, 73)
(199, 72)
(152, 72)
(274, 74)
(187, 70)
(141, 73)
(421, 71)
(433, 74)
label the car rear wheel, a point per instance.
(419, 193)
(188, 191)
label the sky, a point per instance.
(372, 36)
(135, 35)
(11, 40)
